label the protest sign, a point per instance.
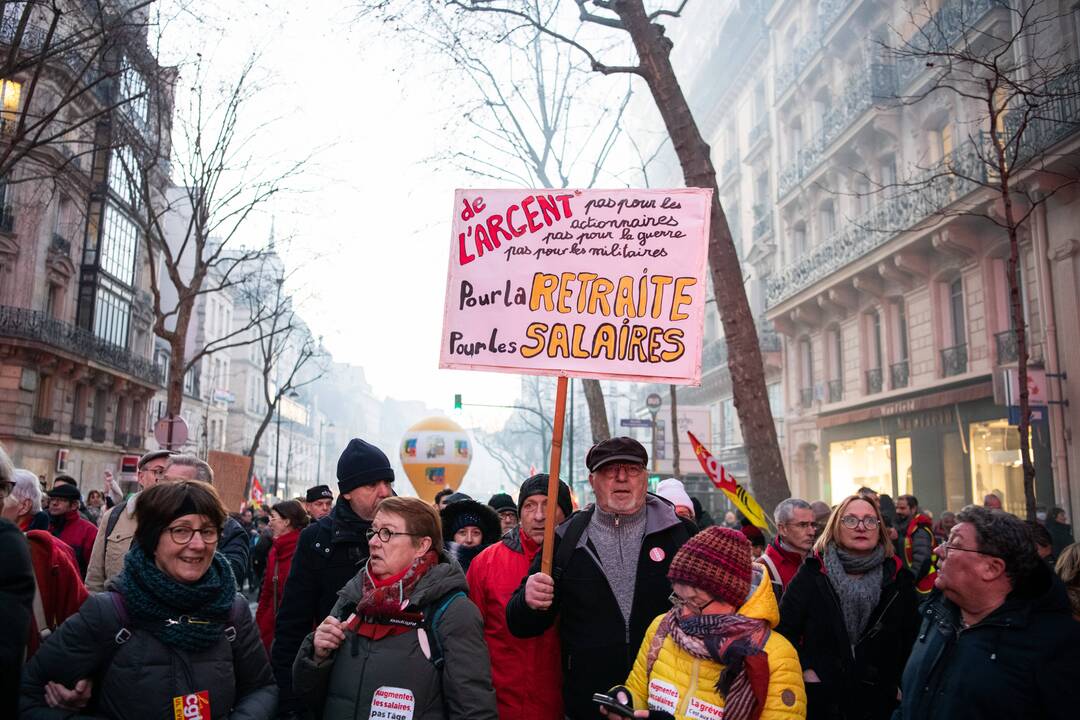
(582, 283)
(230, 477)
(735, 492)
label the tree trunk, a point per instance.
(745, 365)
(594, 397)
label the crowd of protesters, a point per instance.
(373, 605)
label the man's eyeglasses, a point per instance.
(946, 548)
(158, 472)
(799, 525)
(614, 469)
(385, 534)
(182, 534)
(851, 522)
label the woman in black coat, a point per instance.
(852, 613)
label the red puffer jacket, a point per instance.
(79, 533)
(273, 586)
(526, 673)
(57, 577)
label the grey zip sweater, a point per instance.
(617, 539)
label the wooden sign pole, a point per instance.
(553, 479)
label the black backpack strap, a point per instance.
(432, 616)
(570, 539)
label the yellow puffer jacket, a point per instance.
(686, 686)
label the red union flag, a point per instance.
(256, 491)
(743, 500)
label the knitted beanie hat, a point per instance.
(538, 485)
(716, 560)
(362, 464)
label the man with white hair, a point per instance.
(25, 497)
(794, 537)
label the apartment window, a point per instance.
(887, 171)
(54, 301)
(863, 198)
(124, 175)
(956, 312)
(760, 105)
(118, 245)
(112, 314)
(727, 420)
(798, 242)
(875, 339)
(827, 216)
(806, 372)
(101, 407)
(942, 144)
(901, 331)
(761, 189)
(837, 354)
(796, 141)
(133, 91)
(10, 95)
(43, 402)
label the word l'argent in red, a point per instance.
(531, 215)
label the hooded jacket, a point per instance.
(77, 532)
(598, 645)
(1021, 661)
(694, 680)
(395, 670)
(524, 671)
(328, 554)
(140, 678)
(784, 562)
(273, 587)
(57, 577)
(857, 682)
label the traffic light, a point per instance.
(457, 401)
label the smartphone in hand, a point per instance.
(617, 700)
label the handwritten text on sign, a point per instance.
(594, 283)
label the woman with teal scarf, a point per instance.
(170, 637)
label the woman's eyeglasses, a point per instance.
(182, 534)
(851, 522)
(385, 534)
(681, 602)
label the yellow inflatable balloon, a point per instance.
(435, 453)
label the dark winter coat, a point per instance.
(856, 682)
(16, 599)
(598, 646)
(236, 549)
(345, 684)
(140, 677)
(1021, 661)
(329, 554)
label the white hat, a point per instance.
(673, 491)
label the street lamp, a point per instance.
(318, 471)
(277, 442)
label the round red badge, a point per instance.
(657, 554)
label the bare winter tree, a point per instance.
(191, 230)
(600, 29)
(1008, 73)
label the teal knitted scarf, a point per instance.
(181, 615)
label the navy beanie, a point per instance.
(538, 485)
(362, 464)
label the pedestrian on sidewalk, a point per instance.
(403, 636)
(997, 638)
(171, 629)
(287, 519)
(714, 653)
(851, 613)
(525, 671)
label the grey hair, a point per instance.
(786, 509)
(203, 471)
(1005, 536)
(27, 487)
(7, 470)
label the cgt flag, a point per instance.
(256, 491)
(743, 500)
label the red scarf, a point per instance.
(381, 610)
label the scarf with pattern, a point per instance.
(187, 616)
(381, 609)
(734, 641)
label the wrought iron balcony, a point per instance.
(924, 194)
(836, 390)
(97, 434)
(36, 326)
(954, 360)
(1053, 121)
(873, 381)
(828, 13)
(759, 132)
(43, 426)
(1007, 351)
(806, 397)
(78, 431)
(952, 20)
(898, 374)
(120, 438)
(133, 441)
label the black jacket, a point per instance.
(16, 598)
(139, 678)
(235, 547)
(598, 647)
(860, 682)
(1022, 661)
(328, 554)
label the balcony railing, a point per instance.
(836, 390)
(806, 397)
(43, 426)
(133, 441)
(1007, 351)
(954, 360)
(805, 49)
(873, 381)
(898, 375)
(943, 30)
(714, 354)
(37, 326)
(871, 84)
(78, 431)
(120, 439)
(1051, 122)
(759, 131)
(923, 195)
(97, 434)
(762, 222)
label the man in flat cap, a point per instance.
(319, 501)
(68, 525)
(609, 576)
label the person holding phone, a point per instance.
(714, 654)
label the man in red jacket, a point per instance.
(795, 532)
(526, 673)
(68, 525)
